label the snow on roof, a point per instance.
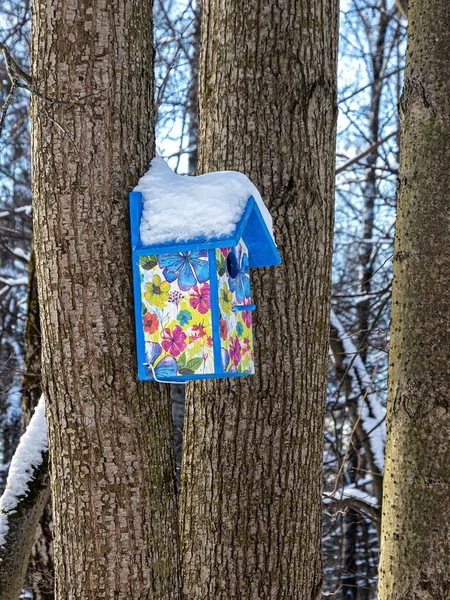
(26, 459)
(178, 208)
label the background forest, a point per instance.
(371, 61)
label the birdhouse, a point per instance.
(194, 241)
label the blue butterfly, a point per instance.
(241, 282)
(165, 369)
(187, 267)
(226, 362)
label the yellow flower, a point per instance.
(157, 292)
(225, 299)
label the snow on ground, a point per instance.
(178, 208)
(26, 459)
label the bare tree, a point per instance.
(113, 491)
(251, 484)
(415, 546)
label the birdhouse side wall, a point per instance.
(236, 337)
(176, 314)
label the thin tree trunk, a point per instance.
(370, 190)
(22, 523)
(110, 437)
(415, 546)
(193, 90)
(31, 383)
(40, 578)
(251, 484)
(15, 554)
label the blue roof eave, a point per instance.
(262, 249)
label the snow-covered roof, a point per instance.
(178, 208)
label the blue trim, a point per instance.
(182, 247)
(139, 320)
(136, 207)
(215, 315)
(239, 232)
(181, 378)
(262, 248)
(244, 307)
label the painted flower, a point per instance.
(235, 350)
(240, 284)
(210, 341)
(225, 251)
(173, 341)
(247, 317)
(175, 297)
(184, 316)
(246, 345)
(223, 329)
(226, 361)
(157, 292)
(200, 298)
(150, 323)
(199, 330)
(239, 328)
(187, 267)
(225, 299)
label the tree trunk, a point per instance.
(251, 484)
(110, 437)
(40, 578)
(22, 523)
(415, 546)
(192, 109)
(370, 187)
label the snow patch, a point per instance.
(358, 494)
(178, 208)
(26, 459)
(373, 413)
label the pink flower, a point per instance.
(225, 251)
(173, 341)
(247, 317)
(199, 330)
(246, 345)
(235, 350)
(200, 298)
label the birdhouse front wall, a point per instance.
(176, 314)
(236, 337)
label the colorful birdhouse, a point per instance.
(194, 241)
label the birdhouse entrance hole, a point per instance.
(232, 265)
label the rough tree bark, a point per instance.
(251, 483)
(110, 437)
(415, 546)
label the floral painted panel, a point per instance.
(176, 305)
(233, 274)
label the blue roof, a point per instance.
(251, 227)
